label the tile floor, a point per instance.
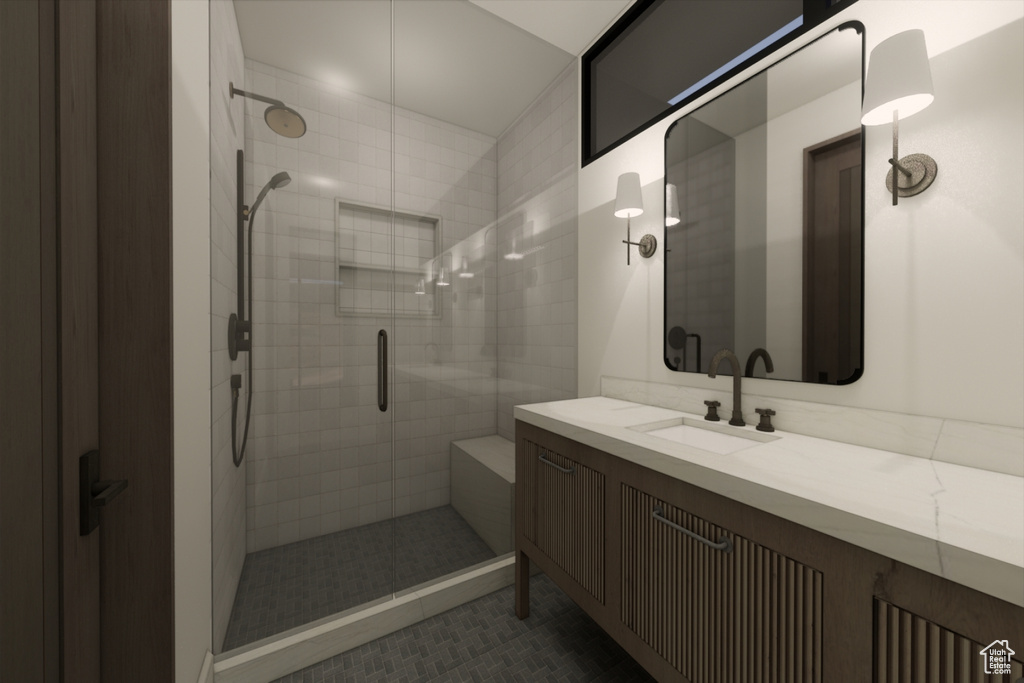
(294, 584)
(484, 641)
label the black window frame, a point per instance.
(815, 12)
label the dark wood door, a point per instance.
(29, 535)
(85, 330)
(133, 153)
(833, 274)
(79, 333)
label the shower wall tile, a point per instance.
(229, 483)
(536, 263)
(321, 458)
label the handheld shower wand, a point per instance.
(240, 326)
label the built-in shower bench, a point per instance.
(483, 478)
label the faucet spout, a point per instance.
(752, 361)
(726, 354)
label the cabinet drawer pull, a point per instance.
(566, 470)
(723, 544)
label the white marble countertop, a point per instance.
(962, 523)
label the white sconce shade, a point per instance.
(465, 272)
(899, 79)
(628, 204)
(671, 205)
(628, 201)
(899, 84)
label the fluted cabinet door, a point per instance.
(911, 649)
(564, 515)
(722, 609)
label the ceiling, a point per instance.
(474, 63)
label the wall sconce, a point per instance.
(465, 272)
(444, 270)
(899, 82)
(629, 203)
(671, 205)
(420, 287)
(514, 255)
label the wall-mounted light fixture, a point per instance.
(899, 82)
(514, 255)
(629, 203)
(421, 287)
(465, 272)
(671, 205)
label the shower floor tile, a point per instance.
(295, 584)
(484, 641)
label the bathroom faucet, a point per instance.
(752, 360)
(726, 354)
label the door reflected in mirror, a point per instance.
(764, 220)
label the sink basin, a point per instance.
(707, 436)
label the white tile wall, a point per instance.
(226, 136)
(536, 261)
(703, 291)
(322, 457)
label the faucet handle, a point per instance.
(712, 415)
(765, 425)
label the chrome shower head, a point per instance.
(279, 180)
(285, 121)
(281, 118)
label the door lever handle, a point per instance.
(105, 491)
(94, 494)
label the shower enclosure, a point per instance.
(412, 283)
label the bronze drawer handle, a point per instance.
(724, 544)
(569, 470)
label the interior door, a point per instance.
(79, 332)
(29, 537)
(832, 265)
(85, 341)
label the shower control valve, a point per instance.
(237, 329)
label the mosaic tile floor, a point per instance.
(484, 641)
(294, 584)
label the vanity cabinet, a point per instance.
(564, 514)
(715, 605)
(700, 588)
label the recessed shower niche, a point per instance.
(379, 248)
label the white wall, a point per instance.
(824, 118)
(536, 305)
(227, 135)
(944, 301)
(190, 121)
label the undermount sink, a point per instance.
(707, 436)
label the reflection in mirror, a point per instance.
(764, 228)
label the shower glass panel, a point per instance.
(304, 528)
(426, 214)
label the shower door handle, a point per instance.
(382, 370)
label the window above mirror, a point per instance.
(664, 53)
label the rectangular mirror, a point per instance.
(764, 220)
